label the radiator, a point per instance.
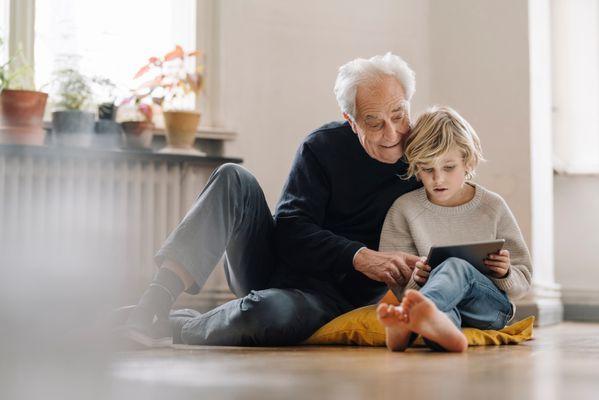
(118, 210)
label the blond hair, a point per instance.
(437, 131)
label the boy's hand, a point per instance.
(421, 272)
(499, 264)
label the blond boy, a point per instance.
(443, 153)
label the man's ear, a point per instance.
(351, 122)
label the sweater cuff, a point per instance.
(412, 284)
(356, 253)
(504, 284)
(346, 258)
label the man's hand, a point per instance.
(392, 268)
(499, 264)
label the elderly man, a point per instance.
(317, 257)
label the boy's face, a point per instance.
(444, 181)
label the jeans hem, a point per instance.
(172, 254)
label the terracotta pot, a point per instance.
(22, 116)
(138, 134)
(181, 128)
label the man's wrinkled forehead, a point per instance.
(400, 107)
(380, 96)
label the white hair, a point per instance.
(362, 70)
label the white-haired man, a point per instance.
(317, 257)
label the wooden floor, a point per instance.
(562, 362)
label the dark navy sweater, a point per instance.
(333, 203)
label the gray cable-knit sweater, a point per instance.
(414, 224)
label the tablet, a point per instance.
(474, 253)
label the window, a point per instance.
(109, 38)
(4, 29)
(113, 38)
(575, 59)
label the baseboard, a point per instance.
(581, 312)
(581, 305)
(546, 312)
(544, 303)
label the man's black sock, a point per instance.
(158, 298)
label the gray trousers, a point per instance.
(230, 217)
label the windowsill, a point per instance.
(206, 132)
(579, 172)
(210, 140)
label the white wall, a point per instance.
(577, 237)
(479, 50)
(279, 63)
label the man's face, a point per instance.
(382, 119)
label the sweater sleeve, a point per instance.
(396, 236)
(519, 279)
(301, 241)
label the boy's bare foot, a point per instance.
(397, 332)
(424, 318)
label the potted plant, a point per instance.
(71, 124)
(138, 130)
(108, 131)
(172, 84)
(21, 107)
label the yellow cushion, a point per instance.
(361, 327)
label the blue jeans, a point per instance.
(466, 296)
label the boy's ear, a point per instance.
(468, 167)
(469, 170)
